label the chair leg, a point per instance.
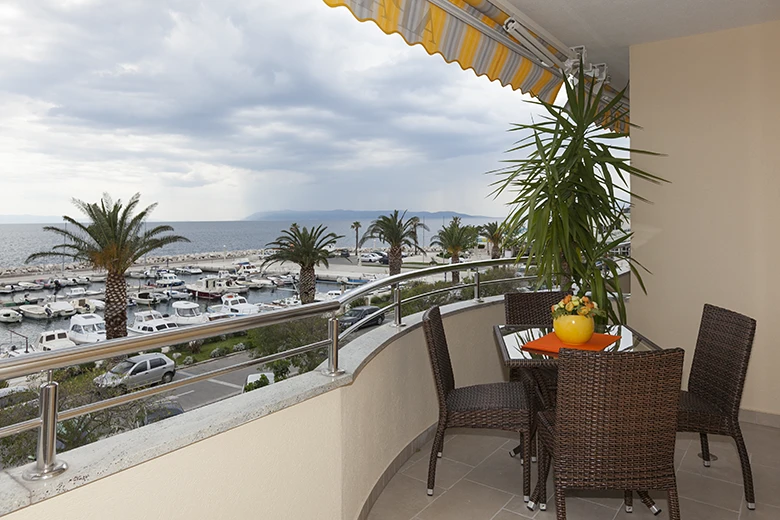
(705, 449)
(628, 499)
(674, 505)
(518, 450)
(747, 473)
(539, 495)
(649, 502)
(438, 444)
(560, 502)
(528, 441)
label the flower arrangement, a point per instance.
(575, 305)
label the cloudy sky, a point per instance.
(221, 108)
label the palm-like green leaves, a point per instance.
(571, 190)
(456, 238)
(307, 248)
(495, 233)
(112, 238)
(398, 232)
(299, 245)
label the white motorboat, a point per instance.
(248, 269)
(281, 280)
(244, 281)
(263, 283)
(63, 309)
(30, 286)
(83, 306)
(13, 351)
(80, 280)
(36, 312)
(10, 316)
(53, 339)
(8, 288)
(28, 299)
(292, 301)
(97, 277)
(187, 313)
(149, 322)
(80, 292)
(136, 274)
(87, 328)
(190, 269)
(169, 280)
(64, 282)
(235, 305)
(99, 304)
(177, 295)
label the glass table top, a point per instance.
(512, 338)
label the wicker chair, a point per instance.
(500, 406)
(533, 309)
(614, 425)
(711, 404)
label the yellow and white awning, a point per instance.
(468, 32)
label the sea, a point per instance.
(18, 241)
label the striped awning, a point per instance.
(468, 32)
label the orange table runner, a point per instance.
(550, 344)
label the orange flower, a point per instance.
(567, 299)
(552, 309)
(583, 311)
(586, 299)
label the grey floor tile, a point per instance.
(502, 472)
(763, 443)
(448, 472)
(611, 498)
(466, 501)
(762, 512)
(692, 510)
(578, 509)
(506, 515)
(473, 449)
(727, 467)
(709, 490)
(402, 498)
(766, 483)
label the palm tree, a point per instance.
(494, 232)
(396, 232)
(112, 239)
(356, 226)
(308, 249)
(455, 238)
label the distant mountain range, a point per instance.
(348, 214)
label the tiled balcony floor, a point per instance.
(478, 480)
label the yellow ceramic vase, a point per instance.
(573, 329)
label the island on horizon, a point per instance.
(349, 214)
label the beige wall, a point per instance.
(262, 469)
(393, 399)
(711, 103)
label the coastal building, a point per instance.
(702, 91)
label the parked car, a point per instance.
(356, 314)
(369, 257)
(158, 410)
(137, 371)
(344, 253)
(384, 258)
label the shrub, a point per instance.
(3, 384)
(188, 360)
(263, 381)
(239, 347)
(219, 352)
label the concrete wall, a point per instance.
(710, 102)
(393, 400)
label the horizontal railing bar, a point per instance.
(437, 291)
(37, 362)
(20, 427)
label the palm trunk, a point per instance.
(495, 251)
(455, 274)
(116, 305)
(307, 284)
(394, 259)
(357, 243)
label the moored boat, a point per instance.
(63, 309)
(169, 280)
(10, 316)
(235, 305)
(87, 328)
(187, 313)
(53, 339)
(36, 312)
(83, 306)
(149, 322)
(30, 286)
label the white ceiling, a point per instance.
(608, 27)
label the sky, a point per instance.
(219, 109)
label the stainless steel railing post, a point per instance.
(333, 369)
(477, 296)
(46, 463)
(397, 305)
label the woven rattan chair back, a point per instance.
(530, 308)
(721, 358)
(439, 353)
(616, 419)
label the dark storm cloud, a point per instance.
(285, 104)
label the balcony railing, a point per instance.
(47, 464)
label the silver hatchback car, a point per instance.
(137, 371)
